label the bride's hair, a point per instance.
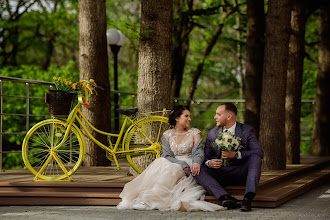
(176, 112)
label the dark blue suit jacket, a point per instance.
(249, 141)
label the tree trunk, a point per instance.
(294, 82)
(49, 52)
(272, 136)
(179, 60)
(93, 64)
(321, 128)
(240, 66)
(154, 82)
(181, 30)
(254, 61)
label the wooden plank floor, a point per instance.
(102, 185)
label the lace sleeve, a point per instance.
(167, 134)
(195, 131)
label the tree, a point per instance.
(93, 63)
(155, 55)
(294, 81)
(272, 136)
(154, 81)
(218, 30)
(38, 32)
(182, 27)
(255, 44)
(10, 14)
(320, 139)
(184, 22)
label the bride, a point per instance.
(167, 183)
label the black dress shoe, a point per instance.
(229, 202)
(246, 205)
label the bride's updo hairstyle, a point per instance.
(175, 113)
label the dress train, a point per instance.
(164, 186)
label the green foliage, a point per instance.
(309, 84)
(12, 161)
(48, 31)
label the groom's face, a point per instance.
(221, 116)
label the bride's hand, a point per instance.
(186, 171)
(196, 167)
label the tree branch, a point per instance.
(207, 52)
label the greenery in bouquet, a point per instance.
(228, 142)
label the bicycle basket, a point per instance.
(59, 102)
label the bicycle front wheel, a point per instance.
(143, 140)
(45, 158)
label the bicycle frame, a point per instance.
(112, 150)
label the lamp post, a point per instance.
(115, 39)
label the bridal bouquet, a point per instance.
(228, 142)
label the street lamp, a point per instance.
(115, 39)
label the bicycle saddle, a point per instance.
(127, 112)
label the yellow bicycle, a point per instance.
(54, 149)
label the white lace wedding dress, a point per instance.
(164, 186)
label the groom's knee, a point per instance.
(254, 164)
(254, 159)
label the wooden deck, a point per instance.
(102, 185)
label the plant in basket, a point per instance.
(61, 98)
(65, 85)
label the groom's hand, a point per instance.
(215, 163)
(228, 154)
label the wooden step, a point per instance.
(61, 186)
(60, 194)
(276, 177)
(58, 201)
(275, 187)
(291, 187)
(26, 193)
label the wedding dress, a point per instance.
(164, 186)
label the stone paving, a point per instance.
(313, 205)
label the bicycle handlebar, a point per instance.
(96, 86)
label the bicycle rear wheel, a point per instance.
(44, 158)
(143, 140)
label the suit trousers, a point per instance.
(247, 174)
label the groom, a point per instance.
(244, 166)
